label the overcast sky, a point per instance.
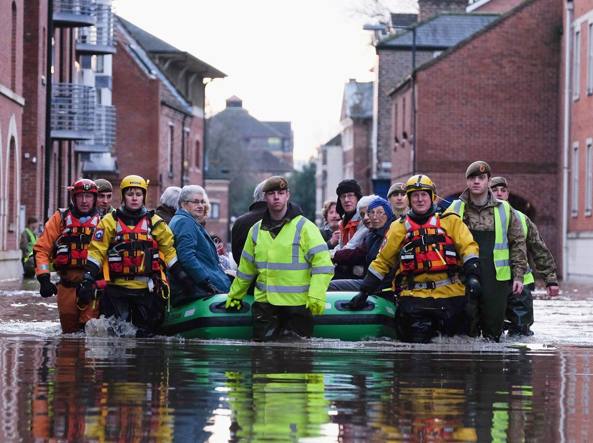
(287, 60)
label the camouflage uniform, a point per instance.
(539, 255)
(493, 303)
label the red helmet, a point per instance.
(83, 185)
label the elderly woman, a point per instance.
(379, 217)
(331, 224)
(168, 206)
(195, 249)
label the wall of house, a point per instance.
(137, 99)
(485, 101)
(430, 8)
(496, 6)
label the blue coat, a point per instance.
(196, 252)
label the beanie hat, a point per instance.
(380, 201)
(348, 185)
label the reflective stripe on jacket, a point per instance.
(287, 269)
(502, 219)
(528, 277)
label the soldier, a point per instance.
(104, 197)
(503, 255)
(398, 199)
(520, 308)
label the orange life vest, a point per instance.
(72, 244)
(133, 250)
(427, 248)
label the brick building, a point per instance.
(480, 100)
(356, 119)
(577, 127)
(329, 172)
(159, 92)
(397, 53)
(12, 104)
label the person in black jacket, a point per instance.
(244, 222)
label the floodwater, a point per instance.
(100, 388)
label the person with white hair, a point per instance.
(244, 222)
(195, 249)
(169, 200)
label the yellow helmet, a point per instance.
(420, 182)
(133, 181)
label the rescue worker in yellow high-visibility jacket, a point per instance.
(133, 246)
(428, 251)
(288, 259)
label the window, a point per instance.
(198, 154)
(575, 180)
(170, 145)
(214, 211)
(576, 60)
(590, 62)
(589, 178)
(100, 68)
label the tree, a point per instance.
(302, 189)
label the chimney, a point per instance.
(234, 102)
(430, 8)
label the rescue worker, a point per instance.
(503, 257)
(520, 308)
(104, 197)
(26, 243)
(397, 199)
(287, 258)
(429, 250)
(132, 245)
(64, 243)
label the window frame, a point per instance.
(575, 180)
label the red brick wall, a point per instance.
(137, 99)
(495, 100)
(430, 8)
(11, 73)
(581, 118)
(362, 153)
(401, 158)
(218, 193)
(195, 147)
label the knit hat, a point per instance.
(348, 185)
(380, 201)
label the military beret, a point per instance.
(478, 168)
(399, 186)
(103, 185)
(498, 181)
(275, 183)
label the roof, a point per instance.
(240, 121)
(336, 141)
(285, 128)
(403, 19)
(262, 160)
(357, 101)
(440, 32)
(159, 48)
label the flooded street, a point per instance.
(100, 388)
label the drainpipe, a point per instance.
(183, 151)
(566, 134)
(48, 84)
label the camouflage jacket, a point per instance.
(481, 218)
(539, 255)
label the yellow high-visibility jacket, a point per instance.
(288, 269)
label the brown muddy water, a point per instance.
(55, 387)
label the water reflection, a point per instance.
(101, 389)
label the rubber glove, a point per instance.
(46, 288)
(233, 304)
(86, 290)
(359, 301)
(315, 305)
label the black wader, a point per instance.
(493, 302)
(520, 311)
(272, 322)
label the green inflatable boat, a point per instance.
(208, 319)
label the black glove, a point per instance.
(46, 288)
(473, 288)
(371, 283)
(358, 302)
(86, 289)
(472, 267)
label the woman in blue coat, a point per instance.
(195, 249)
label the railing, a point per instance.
(72, 111)
(98, 39)
(104, 134)
(74, 13)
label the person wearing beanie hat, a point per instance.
(503, 251)
(398, 199)
(426, 251)
(288, 260)
(349, 193)
(380, 216)
(104, 196)
(520, 308)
